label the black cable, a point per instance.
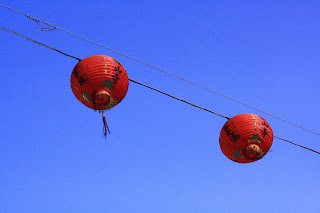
(176, 76)
(179, 99)
(40, 43)
(297, 144)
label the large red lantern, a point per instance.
(245, 138)
(99, 82)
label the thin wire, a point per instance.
(297, 144)
(215, 113)
(176, 76)
(179, 99)
(40, 43)
(12, 9)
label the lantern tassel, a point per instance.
(105, 125)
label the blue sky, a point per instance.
(162, 155)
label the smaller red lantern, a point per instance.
(245, 138)
(99, 82)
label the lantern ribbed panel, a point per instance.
(96, 73)
(241, 131)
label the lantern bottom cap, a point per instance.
(253, 152)
(101, 98)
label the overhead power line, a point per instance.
(171, 96)
(154, 67)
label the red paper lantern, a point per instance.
(245, 138)
(99, 82)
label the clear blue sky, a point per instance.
(162, 155)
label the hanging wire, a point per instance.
(296, 144)
(179, 99)
(176, 76)
(40, 43)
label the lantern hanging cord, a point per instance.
(171, 96)
(40, 22)
(105, 125)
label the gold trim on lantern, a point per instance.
(255, 124)
(74, 86)
(224, 141)
(234, 126)
(111, 104)
(83, 70)
(106, 65)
